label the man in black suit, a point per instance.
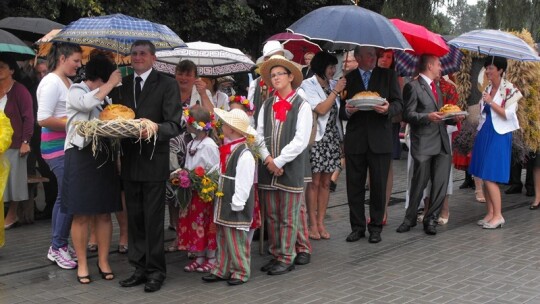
(145, 164)
(430, 145)
(368, 142)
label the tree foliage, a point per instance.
(467, 17)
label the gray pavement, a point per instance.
(461, 264)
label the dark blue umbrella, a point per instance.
(117, 32)
(406, 63)
(343, 27)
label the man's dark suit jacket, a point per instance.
(160, 103)
(427, 138)
(369, 128)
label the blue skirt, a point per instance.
(491, 154)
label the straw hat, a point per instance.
(278, 60)
(271, 48)
(236, 119)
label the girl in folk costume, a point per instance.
(233, 211)
(196, 230)
(242, 103)
(284, 123)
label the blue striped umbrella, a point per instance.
(117, 32)
(496, 43)
(406, 63)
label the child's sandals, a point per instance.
(192, 266)
(207, 266)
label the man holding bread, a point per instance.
(368, 141)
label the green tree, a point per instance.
(467, 17)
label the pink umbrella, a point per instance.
(296, 44)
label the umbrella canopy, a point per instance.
(406, 63)
(496, 43)
(117, 32)
(14, 46)
(297, 45)
(45, 44)
(212, 60)
(29, 29)
(343, 27)
(422, 40)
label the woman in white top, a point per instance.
(492, 149)
(63, 60)
(192, 88)
(322, 93)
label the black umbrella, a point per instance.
(14, 46)
(29, 29)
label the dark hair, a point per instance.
(147, 43)
(187, 66)
(58, 49)
(380, 54)
(320, 62)
(499, 62)
(423, 62)
(12, 64)
(277, 65)
(99, 67)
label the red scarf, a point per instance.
(282, 106)
(225, 150)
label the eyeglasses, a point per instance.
(278, 74)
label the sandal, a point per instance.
(123, 249)
(325, 235)
(314, 235)
(480, 196)
(92, 247)
(192, 266)
(105, 275)
(84, 279)
(206, 266)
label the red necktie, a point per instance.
(225, 150)
(282, 106)
(434, 90)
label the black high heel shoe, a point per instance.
(84, 279)
(105, 275)
(533, 206)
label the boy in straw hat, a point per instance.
(233, 209)
(284, 122)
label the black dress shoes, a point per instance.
(355, 236)
(374, 237)
(234, 282)
(430, 229)
(152, 285)
(302, 258)
(280, 268)
(404, 228)
(211, 278)
(269, 265)
(514, 189)
(134, 280)
(467, 184)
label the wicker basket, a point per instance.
(130, 128)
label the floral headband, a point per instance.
(243, 101)
(199, 125)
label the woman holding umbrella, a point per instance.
(493, 145)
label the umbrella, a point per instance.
(29, 29)
(343, 27)
(422, 40)
(406, 63)
(496, 43)
(45, 44)
(212, 60)
(14, 46)
(297, 45)
(117, 32)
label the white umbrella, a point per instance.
(496, 43)
(212, 59)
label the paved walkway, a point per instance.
(461, 264)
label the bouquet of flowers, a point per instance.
(198, 179)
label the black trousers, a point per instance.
(145, 204)
(515, 174)
(437, 169)
(357, 166)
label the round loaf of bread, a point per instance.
(366, 95)
(449, 108)
(116, 111)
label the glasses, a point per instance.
(278, 74)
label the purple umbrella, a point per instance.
(406, 63)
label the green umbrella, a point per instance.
(14, 46)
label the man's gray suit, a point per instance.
(430, 149)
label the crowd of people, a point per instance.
(277, 152)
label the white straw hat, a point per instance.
(236, 119)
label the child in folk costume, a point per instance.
(196, 230)
(233, 211)
(284, 123)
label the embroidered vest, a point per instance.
(294, 172)
(224, 215)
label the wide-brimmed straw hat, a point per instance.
(236, 119)
(278, 60)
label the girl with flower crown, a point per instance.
(196, 230)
